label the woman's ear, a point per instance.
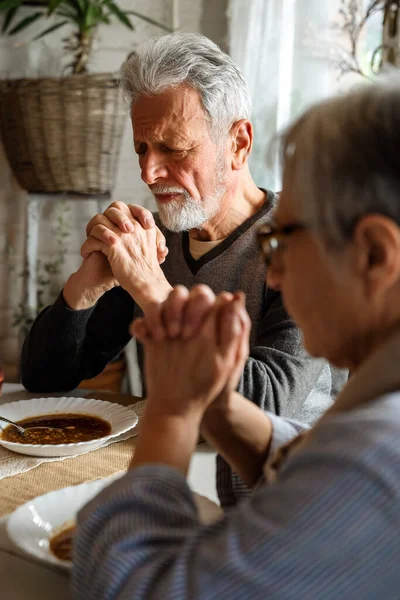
(242, 141)
(377, 242)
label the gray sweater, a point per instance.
(66, 346)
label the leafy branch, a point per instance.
(84, 15)
(353, 17)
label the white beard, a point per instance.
(187, 213)
(182, 215)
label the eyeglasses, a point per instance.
(271, 239)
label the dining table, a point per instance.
(22, 576)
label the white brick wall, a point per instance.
(113, 43)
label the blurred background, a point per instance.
(66, 149)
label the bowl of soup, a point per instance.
(63, 426)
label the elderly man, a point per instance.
(190, 113)
(325, 524)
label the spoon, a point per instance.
(23, 429)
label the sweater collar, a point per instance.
(196, 265)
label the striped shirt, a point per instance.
(326, 528)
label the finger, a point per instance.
(241, 297)
(162, 249)
(201, 300)
(104, 234)
(161, 255)
(242, 349)
(122, 206)
(230, 330)
(139, 330)
(143, 215)
(173, 310)
(121, 219)
(154, 322)
(209, 329)
(223, 298)
(244, 317)
(244, 343)
(96, 220)
(91, 245)
(100, 220)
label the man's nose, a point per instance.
(153, 167)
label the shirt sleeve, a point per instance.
(325, 529)
(283, 432)
(65, 346)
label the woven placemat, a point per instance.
(18, 489)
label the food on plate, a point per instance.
(71, 428)
(61, 542)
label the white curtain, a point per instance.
(279, 45)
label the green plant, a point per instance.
(84, 15)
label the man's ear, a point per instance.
(242, 140)
(377, 243)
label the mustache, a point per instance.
(167, 189)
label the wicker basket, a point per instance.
(63, 134)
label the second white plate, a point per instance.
(32, 525)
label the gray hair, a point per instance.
(342, 159)
(193, 60)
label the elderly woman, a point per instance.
(323, 519)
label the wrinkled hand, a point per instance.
(120, 217)
(133, 252)
(95, 277)
(195, 348)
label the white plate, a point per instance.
(32, 525)
(120, 418)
